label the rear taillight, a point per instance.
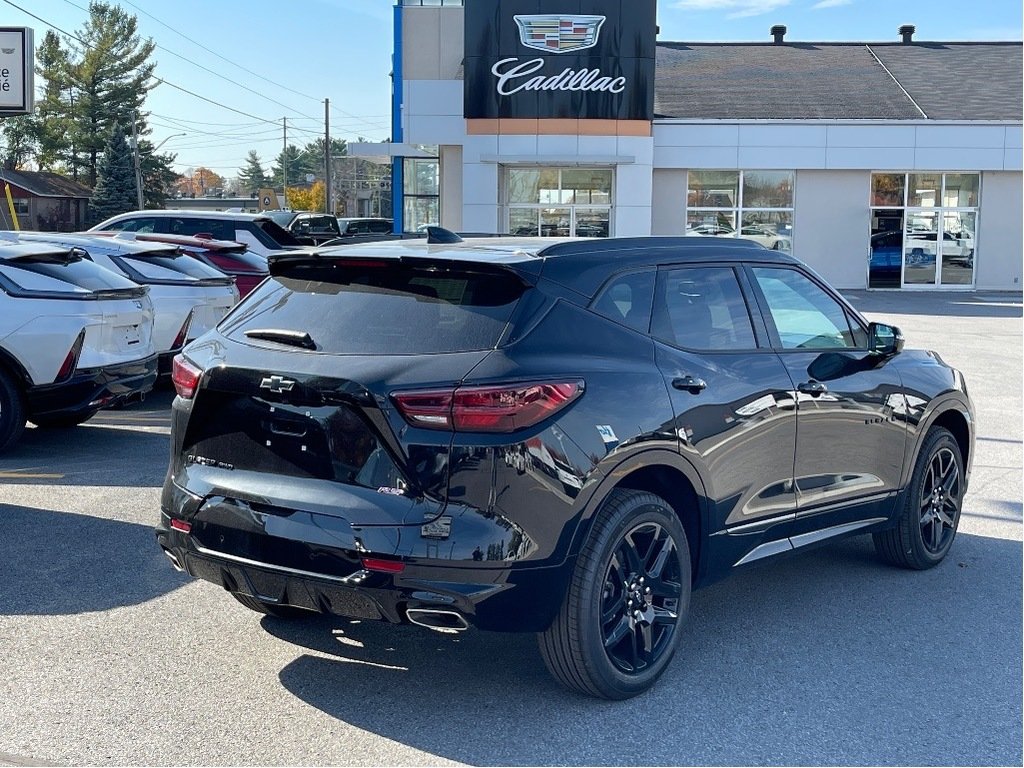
(182, 337)
(71, 361)
(185, 377)
(495, 408)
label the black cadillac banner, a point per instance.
(591, 59)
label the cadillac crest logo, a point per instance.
(559, 34)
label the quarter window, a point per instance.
(805, 316)
(702, 308)
(628, 299)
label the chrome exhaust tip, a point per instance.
(438, 620)
(175, 563)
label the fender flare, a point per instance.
(951, 401)
(12, 364)
(613, 475)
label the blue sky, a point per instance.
(341, 49)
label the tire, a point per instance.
(595, 611)
(277, 611)
(927, 523)
(62, 422)
(12, 411)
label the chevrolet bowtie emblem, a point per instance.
(277, 384)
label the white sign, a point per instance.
(17, 66)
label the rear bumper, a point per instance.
(91, 389)
(315, 561)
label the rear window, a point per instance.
(237, 259)
(384, 310)
(62, 274)
(161, 265)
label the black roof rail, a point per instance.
(578, 247)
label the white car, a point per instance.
(74, 338)
(189, 297)
(258, 232)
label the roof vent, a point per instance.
(779, 33)
(907, 33)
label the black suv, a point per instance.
(556, 437)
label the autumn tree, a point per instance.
(197, 182)
(313, 198)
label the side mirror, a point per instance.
(886, 340)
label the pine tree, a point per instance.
(51, 123)
(158, 175)
(298, 166)
(116, 191)
(111, 81)
(18, 142)
(252, 178)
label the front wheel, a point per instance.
(622, 616)
(12, 411)
(926, 526)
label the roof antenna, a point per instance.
(440, 235)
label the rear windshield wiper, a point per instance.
(293, 338)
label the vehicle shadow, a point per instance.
(830, 644)
(943, 304)
(60, 563)
(126, 448)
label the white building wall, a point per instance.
(833, 145)
(831, 225)
(1000, 232)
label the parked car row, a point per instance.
(89, 320)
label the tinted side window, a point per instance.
(805, 316)
(628, 299)
(141, 224)
(702, 308)
(220, 229)
(380, 227)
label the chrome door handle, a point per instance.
(691, 384)
(812, 388)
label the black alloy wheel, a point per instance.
(640, 602)
(940, 501)
(621, 618)
(927, 524)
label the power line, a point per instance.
(222, 58)
(207, 69)
(157, 79)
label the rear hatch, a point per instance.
(295, 408)
(117, 314)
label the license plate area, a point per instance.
(280, 538)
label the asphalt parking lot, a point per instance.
(109, 656)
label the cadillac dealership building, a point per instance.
(888, 165)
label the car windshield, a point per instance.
(281, 218)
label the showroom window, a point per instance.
(558, 202)
(923, 229)
(757, 205)
(421, 185)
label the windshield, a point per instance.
(281, 218)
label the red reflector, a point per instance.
(182, 337)
(71, 361)
(185, 377)
(384, 566)
(181, 525)
(498, 408)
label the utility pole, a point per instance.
(138, 164)
(327, 157)
(284, 162)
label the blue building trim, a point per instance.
(397, 192)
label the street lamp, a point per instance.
(172, 136)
